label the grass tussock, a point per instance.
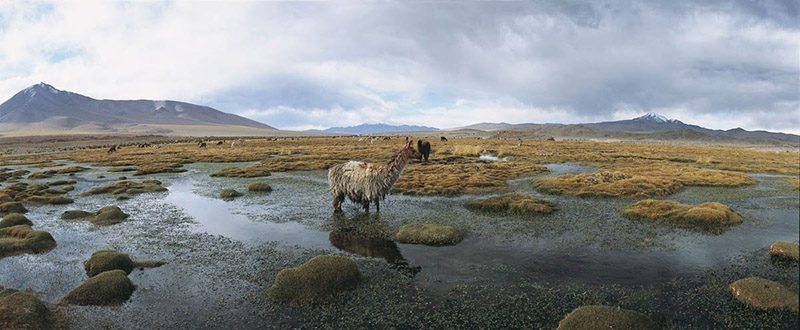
(35, 194)
(20, 239)
(429, 234)
(106, 216)
(794, 182)
(259, 187)
(21, 309)
(456, 176)
(764, 294)
(605, 317)
(319, 280)
(511, 204)
(106, 260)
(783, 249)
(229, 193)
(710, 217)
(107, 288)
(640, 182)
(50, 173)
(128, 187)
(14, 219)
(242, 172)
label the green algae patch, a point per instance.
(781, 249)
(605, 317)
(229, 193)
(106, 260)
(108, 288)
(319, 280)
(109, 215)
(14, 219)
(20, 239)
(12, 207)
(259, 187)
(710, 217)
(128, 187)
(429, 234)
(760, 293)
(511, 204)
(21, 309)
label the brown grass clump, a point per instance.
(12, 207)
(781, 249)
(640, 182)
(319, 280)
(23, 239)
(259, 187)
(794, 182)
(429, 234)
(764, 294)
(710, 216)
(456, 176)
(106, 216)
(23, 310)
(229, 193)
(50, 173)
(128, 187)
(108, 288)
(242, 172)
(605, 317)
(512, 204)
(105, 260)
(14, 219)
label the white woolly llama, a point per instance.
(365, 183)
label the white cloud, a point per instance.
(312, 65)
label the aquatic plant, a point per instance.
(761, 293)
(605, 317)
(318, 280)
(107, 288)
(511, 204)
(429, 234)
(711, 216)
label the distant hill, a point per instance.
(378, 128)
(648, 127)
(44, 107)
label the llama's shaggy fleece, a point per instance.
(364, 183)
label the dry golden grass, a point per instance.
(655, 169)
(641, 180)
(710, 216)
(512, 203)
(785, 249)
(794, 182)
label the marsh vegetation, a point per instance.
(557, 233)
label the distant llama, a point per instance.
(112, 149)
(444, 139)
(424, 148)
(364, 183)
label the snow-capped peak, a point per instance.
(40, 87)
(655, 117)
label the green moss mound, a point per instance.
(764, 294)
(710, 217)
(23, 239)
(319, 280)
(429, 234)
(605, 317)
(779, 249)
(229, 193)
(511, 204)
(259, 187)
(128, 187)
(23, 310)
(106, 260)
(14, 219)
(106, 216)
(107, 288)
(75, 214)
(12, 207)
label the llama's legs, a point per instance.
(337, 202)
(366, 206)
(377, 206)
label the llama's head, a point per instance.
(409, 150)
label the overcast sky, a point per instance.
(316, 65)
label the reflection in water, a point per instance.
(368, 237)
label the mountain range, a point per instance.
(44, 107)
(378, 128)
